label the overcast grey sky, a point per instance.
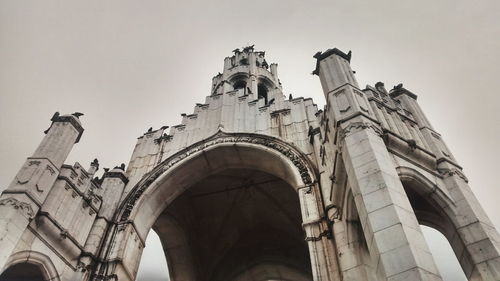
(129, 65)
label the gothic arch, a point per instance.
(438, 213)
(38, 259)
(263, 153)
(434, 208)
(171, 178)
(238, 79)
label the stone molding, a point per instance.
(273, 143)
(453, 171)
(24, 207)
(356, 127)
(37, 258)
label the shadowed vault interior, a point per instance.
(234, 223)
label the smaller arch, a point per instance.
(42, 261)
(433, 208)
(240, 84)
(262, 92)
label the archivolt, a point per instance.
(428, 187)
(47, 267)
(299, 160)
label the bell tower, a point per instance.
(248, 71)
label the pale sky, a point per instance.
(130, 65)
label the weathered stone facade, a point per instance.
(254, 186)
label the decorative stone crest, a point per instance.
(356, 127)
(25, 208)
(270, 142)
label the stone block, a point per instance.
(482, 251)
(397, 260)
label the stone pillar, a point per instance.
(392, 232)
(20, 202)
(481, 257)
(113, 185)
(321, 249)
(274, 71)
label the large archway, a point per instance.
(237, 224)
(225, 238)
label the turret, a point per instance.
(334, 69)
(20, 202)
(248, 71)
(40, 171)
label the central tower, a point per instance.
(249, 72)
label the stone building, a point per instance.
(254, 185)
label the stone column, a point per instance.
(113, 185)
(481, 257)
(392, 232)
(20, 202)
(324, 263)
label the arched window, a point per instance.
(240, 84)
(262, 92)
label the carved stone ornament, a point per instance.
(358, 126)
(453, 171)
(220, 137)
(25, 208)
